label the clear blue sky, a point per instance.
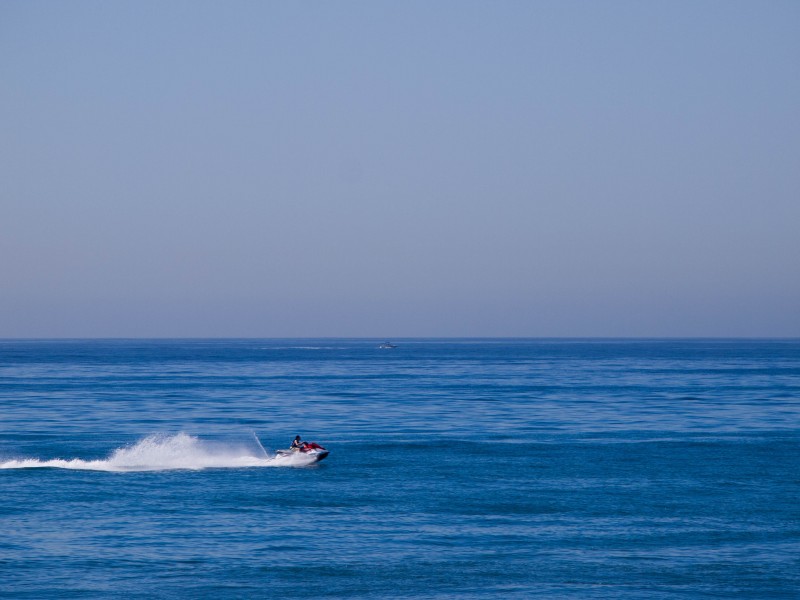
(398, 169)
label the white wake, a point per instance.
(168, 452)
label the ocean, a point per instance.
(458, 468)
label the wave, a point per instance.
(163, 452)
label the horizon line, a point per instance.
(372, 338)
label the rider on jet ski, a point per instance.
(311, 451)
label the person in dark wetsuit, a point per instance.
(297, 443)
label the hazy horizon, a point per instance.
(399, 170)
(402, 339)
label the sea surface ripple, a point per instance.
(458, 468)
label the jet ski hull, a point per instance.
(321, 455)
(316, 454)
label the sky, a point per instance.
(398, 169)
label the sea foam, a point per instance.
(168, 452)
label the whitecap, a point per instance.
(167, 452)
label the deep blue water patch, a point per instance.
(458, 468)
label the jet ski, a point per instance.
(308, 450)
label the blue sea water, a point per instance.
(458, 469)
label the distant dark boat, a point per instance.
(387, 346)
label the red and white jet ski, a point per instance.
(308, 449)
